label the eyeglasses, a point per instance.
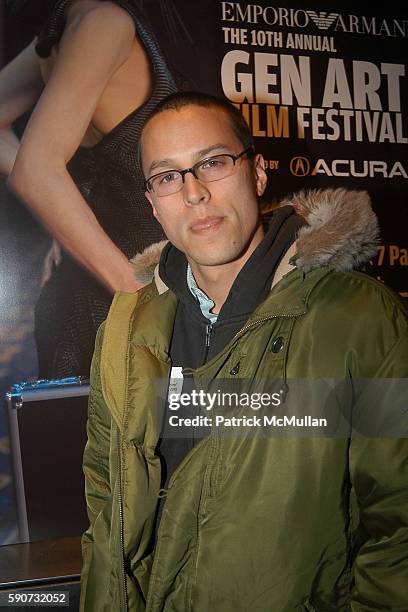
(207, 170)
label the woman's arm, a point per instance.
(20, 86)
(94, 45)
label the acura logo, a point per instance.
(299, 166)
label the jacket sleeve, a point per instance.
(379, 475)
(97, 479)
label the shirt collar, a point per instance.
(206, 304)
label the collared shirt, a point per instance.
(205, 303)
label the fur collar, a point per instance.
(342, 233)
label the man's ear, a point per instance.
(261, 178)
(149, 197)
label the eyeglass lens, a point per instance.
(212, 169)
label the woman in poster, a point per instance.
(96, 71)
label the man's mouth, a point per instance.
(206, 225)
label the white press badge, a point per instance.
(176, 383)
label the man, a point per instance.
(244, 522)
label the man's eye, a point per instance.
(170, 177)
(213, 163)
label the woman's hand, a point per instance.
(20, 87)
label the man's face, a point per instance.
(212, 223)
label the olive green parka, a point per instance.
(254, 524)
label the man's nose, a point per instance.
(194, 191)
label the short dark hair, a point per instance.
(181, 99)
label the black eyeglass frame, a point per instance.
(250, 151)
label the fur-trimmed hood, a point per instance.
(342, 232)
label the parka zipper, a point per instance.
(277, 316)
(122, 537)
(210, 326)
